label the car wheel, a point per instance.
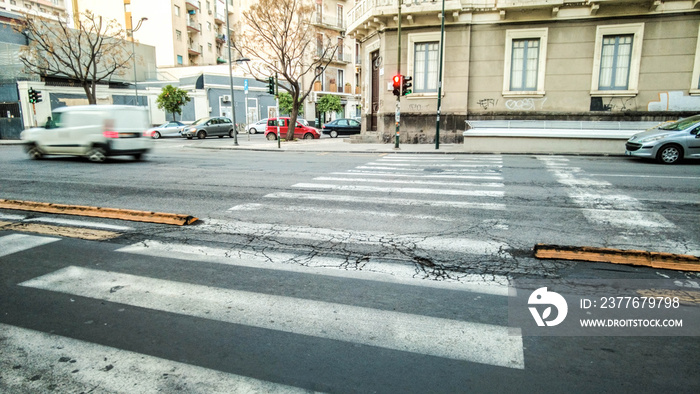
(252, 130)
(189, 138)
(271, 136)
(96, 155)
(334, 134)
(34, 153)
(221, 136)
(138, 156)
(201, 135)
(308, 136)
(156, 135)
(669, 154)
(230, 133)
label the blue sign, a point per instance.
(245, 85)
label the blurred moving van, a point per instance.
(92, 131)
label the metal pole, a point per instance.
(277, 111)
(230, 76)
(398, 72)
(133, 52)
(439, 103)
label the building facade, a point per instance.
(526, 59)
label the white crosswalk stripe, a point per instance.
(459, 340)
(80, 366)
(14, 243)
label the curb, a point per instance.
(679, 262)
(108, 213)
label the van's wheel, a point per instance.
(34, 153)
(669, 154)
(271, 136)
(334, 134)
(221, 136)
(201, 135)
(308, 136)
(189, 138)
(138, 156)
(96, 155)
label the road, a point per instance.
(330, 272)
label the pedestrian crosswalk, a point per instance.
(79, 363)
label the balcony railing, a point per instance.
(330, 22)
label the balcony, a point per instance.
(194, 50)
(191, 5)
(220, 38)
(192, 26)
(375, 15)
(328, 22)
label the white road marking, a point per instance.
(11, 217)
(599, 202)
(409, 182)
(79, 223)
(449, 192)
(89, 366)
(338, 212)
(373, 270)
(495, 165)
(423, 170)
(416, 175)
(386, 200)
(459, 340)
(441, 243)
(14, 243)
(644, 176)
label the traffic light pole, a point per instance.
(277, 111)
(398, 72)
(439, 103)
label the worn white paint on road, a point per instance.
(386, 200)
(401, 272)
(408, 190)
(36, 362)
(14, 243)
(409, 182)
(459, 340)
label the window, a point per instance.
(340, 49)
(617, 56)
(615, 62)
(209, 26)
(340, 16)
(525, 55)
(524, 62)
(210, 46)
(425, 66)
(341, 81)
(178, 35)
(179, 60)
(177, 11)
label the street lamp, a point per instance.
(230, 77)
(133, 52)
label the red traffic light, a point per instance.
(397, 80)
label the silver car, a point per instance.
(668, 143)
(206, 127)
(257, 127)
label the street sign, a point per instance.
(245, 86)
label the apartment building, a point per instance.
(45, 8)
(527, 59)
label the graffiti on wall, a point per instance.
(525, 104)
(674, 101)
(487, 103)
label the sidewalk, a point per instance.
(326, 144)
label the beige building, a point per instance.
(45, 8)
(527, 59)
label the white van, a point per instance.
(92, 131)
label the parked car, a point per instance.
(206, 127)
(301, 131)
(669, 142)
(169, 129)
(341, 127)
(257, 127)
(92, 131)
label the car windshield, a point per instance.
(200, 121)
(681, 124)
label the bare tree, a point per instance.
(278, 35)
(92, 53)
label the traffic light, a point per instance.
(397, 85)
(37, 96)
(406, 85)
(32, 97)
(271, 85)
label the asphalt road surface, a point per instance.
(331, 272)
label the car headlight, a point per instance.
(192, 129)
(654, 138)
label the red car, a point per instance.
(301, 131)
